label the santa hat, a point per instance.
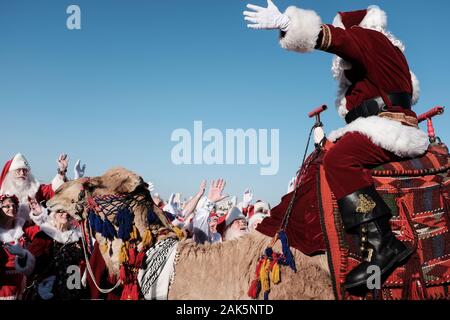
(261, 206)
(256, 217)
(17, 162)
(371, 18)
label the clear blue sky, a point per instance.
(113, 92)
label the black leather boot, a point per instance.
(379, 247)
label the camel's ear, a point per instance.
(92, 184)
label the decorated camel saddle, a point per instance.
(417, 192)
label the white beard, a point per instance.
(22, 189)
(233, 233)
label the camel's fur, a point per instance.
(218, 271)
(225, 270)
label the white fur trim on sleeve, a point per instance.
(303, 31)
(404, 141)
(57, 182)
(29, 265)
(416, 88)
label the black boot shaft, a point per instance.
(362, 206)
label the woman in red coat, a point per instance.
(13, 233)
(58, 260)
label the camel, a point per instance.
(221, 271)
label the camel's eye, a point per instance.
(73, 201)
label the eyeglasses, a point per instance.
(8, 207)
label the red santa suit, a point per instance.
(41, 192)
(11, 280)
(54, 251)
(369, 64)
(376, 92)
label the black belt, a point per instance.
(376, 105)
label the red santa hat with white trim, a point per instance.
(371, 18)
(17, 162)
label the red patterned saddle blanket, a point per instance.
(418, 193)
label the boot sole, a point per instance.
(400, 260)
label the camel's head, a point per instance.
(115, 181)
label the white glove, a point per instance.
(78, 170)
(233, 202)
(16, 250)
(172, 206)
(151, 186)
(45, 288)
(291, 185)
(266, 18)
(248, 197)
(318, 135)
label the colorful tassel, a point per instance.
(151, 216)
(147, 239)
(287, 253)
(123, 274)
(178, 232)
(95, 221)
(123, 255)
(132, 255)
(253, 290)
(108, 230)
(134, 235)
(264, 275)
(104, 247)
(125, 221)
(255, 286)
(275, 274)
(140, 259)
(130, 292)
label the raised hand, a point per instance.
(215, 191)
(78, 170)
(202, 187)
(151, 186)
(266, 18)
(63, 163)
(248, 197)
(35, 207)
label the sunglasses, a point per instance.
(8, 207)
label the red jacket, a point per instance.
(374, 59)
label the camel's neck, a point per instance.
(217, 270)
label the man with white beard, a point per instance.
(17, 179)
(235, 225)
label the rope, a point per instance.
(300, 174)
(88, 267)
